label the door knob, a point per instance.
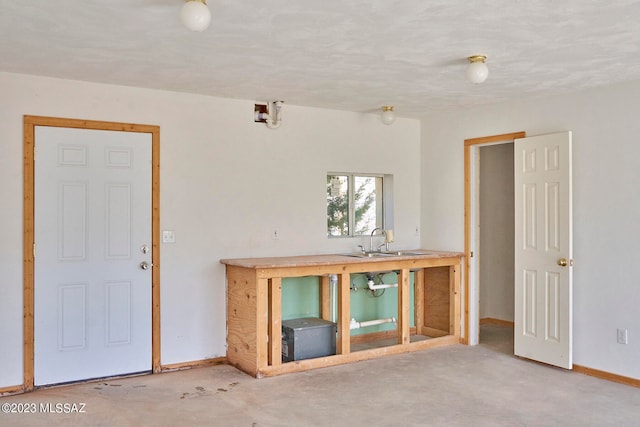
(562, 262)
(145, 265)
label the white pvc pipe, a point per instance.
(333, 280)
(274, 123)
(271, 122)
(357, 325)
(374, 287)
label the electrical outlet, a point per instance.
(623, 336)
(275, 234)
(168, 236)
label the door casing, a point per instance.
(29, 123)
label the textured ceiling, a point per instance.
(353, 55)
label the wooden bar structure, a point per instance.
(254, 306)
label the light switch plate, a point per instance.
(168, 236)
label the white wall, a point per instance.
(226, 182)
(606, 202)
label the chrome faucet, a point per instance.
(384, 233)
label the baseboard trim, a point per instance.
(193, 364)
(16, 389)
(634, 382)
(492, 321)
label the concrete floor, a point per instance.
(483, 385)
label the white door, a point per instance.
(543, 249)
(92, 298)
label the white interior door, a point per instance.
(543, 249)
(92, 298)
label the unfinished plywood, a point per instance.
(254, 306)
(242, 311)
(404, 307)
(437, 294)
(275, 320)
(325, 298)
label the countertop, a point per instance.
(332, 259)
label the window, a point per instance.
(355, 204)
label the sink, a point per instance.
(383, 254)
(405, 253)
(372, 254)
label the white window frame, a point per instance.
(383, 209)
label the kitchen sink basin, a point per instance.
(405, 253)
(372, 254)
(382, 254)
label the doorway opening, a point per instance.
(489, 262)
(496, 254)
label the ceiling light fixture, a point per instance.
(195, 15)
(388, 116)
(477, 71)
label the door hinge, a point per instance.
(34, 250)
(471, 254)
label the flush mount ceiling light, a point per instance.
(388, 116)
(195, 15)
(477, 71)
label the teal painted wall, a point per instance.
(301, 298)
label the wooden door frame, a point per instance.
(29, 123)
(468, 144)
